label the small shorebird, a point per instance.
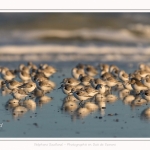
(39, 75)
(146, 81)
(104, 68)
(137, 85)
(28, 87)
(5, 90)
(24, 68)
(135, 75)
(146, 95)
(47, 70)
(85, 80)
(71, 81)
(101, 88)
(81, 95)
(44, 86)
(113, 68)
(24, 76)
(91, 71)
(106, 75)
(143, 74)
(6, 74)
(123, 76)
(111, 82)
(90, 90)
(67, 89)
(95, 82)
(13, 84)
(19, 94)
(127, 85)
(77, 71)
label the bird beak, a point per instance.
(60, 86)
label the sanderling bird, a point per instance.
(106, 75)
(95, 82)
(137, 85)
(81, 95)
(111, 81)
(91, 71)
(67, 89)
(13, 84)
(143, 74)
(71, 81)
(39, 75)
(6, 74)
(146, 81)
(113, 68)
(19, 94)
(144, 67)
(123, 76)
(47, 80)
(85, 80)
(48, 70)
(77, 71)
(28, 87)
(90, 90)
(24, 68)
(101, 88)
(146, 95)
(127, 85)
(24, 76)
(44, 86)
(104, 68)
(135, 75)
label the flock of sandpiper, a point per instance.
(28, 85)
(91, 88)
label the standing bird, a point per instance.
(91, 71)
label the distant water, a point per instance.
(75, 37)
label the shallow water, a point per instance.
(50, 121)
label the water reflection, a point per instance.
(145, 114)
(28, 85)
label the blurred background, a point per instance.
(74, 37)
